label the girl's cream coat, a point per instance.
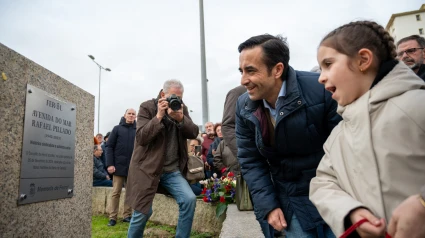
(375, 157)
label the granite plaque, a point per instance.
(48, 150)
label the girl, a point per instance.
(375, 158)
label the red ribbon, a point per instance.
(352, 228)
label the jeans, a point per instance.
(179, 188)
(138, 223)
(295, 230)
(102, 183)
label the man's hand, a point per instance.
(107, 177)
(276, 219)
(176, 115)
(162, 106)
(374, 227)
(408, 219)
(111, 169)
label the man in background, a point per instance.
(411, 50)
(119, 150)
(208, 140)
(100, 176)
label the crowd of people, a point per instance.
(323, 154)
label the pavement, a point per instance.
(240, 224)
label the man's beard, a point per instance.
(413, 66)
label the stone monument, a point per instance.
(46, 140)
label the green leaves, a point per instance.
(221, 208)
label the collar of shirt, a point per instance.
(282, 93)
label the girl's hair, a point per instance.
(350, 38)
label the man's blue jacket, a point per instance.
(278, 172)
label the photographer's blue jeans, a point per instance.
(138, 223)
(179, 188)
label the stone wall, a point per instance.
(70, 217)
(165, 210)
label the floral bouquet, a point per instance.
(220, 191)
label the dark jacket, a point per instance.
(213, 146)
(149, 154)
(224, 158)
(99, 173)
(421, 72)
(305, 117)
(103, 157)
(228, 126)
(119, 147)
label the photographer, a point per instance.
(160, 158)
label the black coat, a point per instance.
(99, 173)
(421, 72)
(119, 147)
(103, 156)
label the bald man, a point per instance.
(119, 149)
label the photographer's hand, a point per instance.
(162, 106)
(176, 115)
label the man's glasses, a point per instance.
(408, 51)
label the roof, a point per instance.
(393, 16)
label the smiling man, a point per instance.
(411, 50)
(281, 124)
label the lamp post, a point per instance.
(98, 104)
(204, 80)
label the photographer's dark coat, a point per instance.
(149, 155)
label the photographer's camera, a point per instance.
(174, 102)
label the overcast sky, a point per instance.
(145, 43)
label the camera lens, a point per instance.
(175, 104)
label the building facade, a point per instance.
(405, 24)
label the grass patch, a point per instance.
(101, 230)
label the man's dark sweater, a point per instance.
(172, 157)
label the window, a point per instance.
(418, 17)
(421, 31)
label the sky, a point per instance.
(145, 43)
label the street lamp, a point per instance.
(98, 104)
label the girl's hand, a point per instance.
(375, 227)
